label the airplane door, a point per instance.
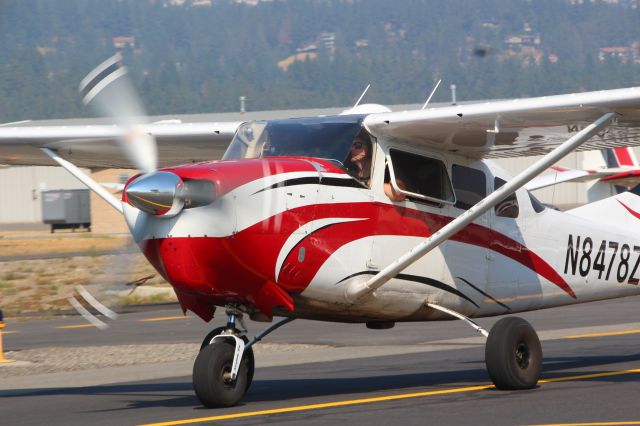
(469, 253)
(505, 272)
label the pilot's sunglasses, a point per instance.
(357, 145)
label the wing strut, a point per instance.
(86, 180)
(360, 289)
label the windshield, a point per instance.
(321, 137)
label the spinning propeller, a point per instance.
(110, 93)
(108, 90)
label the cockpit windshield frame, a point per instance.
(318, 137)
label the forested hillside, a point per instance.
(199, 55)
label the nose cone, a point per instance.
(158, 193)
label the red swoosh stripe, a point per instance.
(629, 209)
(392, 220)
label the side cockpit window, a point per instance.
(469, 184)
(420, 178)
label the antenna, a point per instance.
(431, 95)
(362, 96)
(243, 100)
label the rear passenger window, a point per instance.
(421, 178)
(509, 206)
(470, 186)
(537, 204)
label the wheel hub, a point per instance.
(522, 355)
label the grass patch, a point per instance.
(10, 291)
(92, 251)
(43, 281)
(137, 300)
(13, 276)
(74, 281)
(44, 274)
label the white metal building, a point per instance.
(20, 189)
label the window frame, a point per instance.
(415, 195)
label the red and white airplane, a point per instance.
(295, 221)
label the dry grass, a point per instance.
(14, 243)
(43, 285)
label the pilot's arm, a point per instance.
(390, 191)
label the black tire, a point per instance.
(513, 354)
(208, 376)
(248, 354)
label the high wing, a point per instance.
(521, 127)
(96, 146)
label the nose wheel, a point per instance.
(247, 354)
(224, 367)
(212, 375)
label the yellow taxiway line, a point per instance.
(177, 317)
(322, 405)
(377, 399)
(610, 333)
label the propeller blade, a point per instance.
(109, 91)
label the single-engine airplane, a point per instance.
(370, 216)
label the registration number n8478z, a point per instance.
(610, 259)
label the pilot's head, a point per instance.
(360, 149)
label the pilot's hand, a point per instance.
(393, 195)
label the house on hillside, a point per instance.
(121, 42)
(621, 53)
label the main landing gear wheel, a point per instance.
(212, 375)
(248, 353)
(513, 354)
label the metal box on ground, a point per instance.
(66, 208)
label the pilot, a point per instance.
(358, 163)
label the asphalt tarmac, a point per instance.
(415, 373)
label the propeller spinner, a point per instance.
(159, 193)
